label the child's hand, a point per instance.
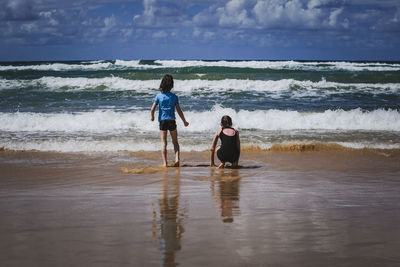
(186, 123)
(152, 117)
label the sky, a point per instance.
(199, 29)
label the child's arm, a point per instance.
(180, 113)
(153, 108)
(212, 149)
(237, 141)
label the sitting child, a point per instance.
(229, 151)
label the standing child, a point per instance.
(229, 151)
(166, 117)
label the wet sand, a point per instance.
(332, 208)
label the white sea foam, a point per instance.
(95, 65)
(107, 121)
(114, 144)
(301, 88)
(133, 64)
(100, 121)
(80, 145)
(105, 130)
(364, 144)
(254, 64)
(81, 83)
(356, 119)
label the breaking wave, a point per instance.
(108, 121)
(252, 64)
(188, 86)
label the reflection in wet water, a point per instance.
(168, 224)
(227, 193)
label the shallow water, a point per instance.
(288, 209)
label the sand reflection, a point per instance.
(168, 221)
(225, 189)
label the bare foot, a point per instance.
(221, 166)
(165, 165)
(176, 164)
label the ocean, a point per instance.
(104, 106)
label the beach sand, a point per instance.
(310, 208)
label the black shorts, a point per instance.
(166, 125)
(228, 156)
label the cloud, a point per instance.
(160, 34)
(234, 13)
(258, 23)
(274, 14)
(285, 14)
(22, 10)
(157, 14)
(109, 24)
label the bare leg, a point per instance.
(163, 135)
(174, 136)
(222, 165)
(235, 164)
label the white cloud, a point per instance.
(196, 32)
(207, 17)
(396, 18)
(109, 25)
(234, 13)
(333, 16)
(208, 35)
(29, 27)
(127, 32)
(160, 34)
(49, 16)
(17, 10)
(159, 14)
(285, 14)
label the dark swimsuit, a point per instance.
(228, 151)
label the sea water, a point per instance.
(105, 105)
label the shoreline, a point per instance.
(286, 147)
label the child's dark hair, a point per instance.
(167, 83)
(226, 121)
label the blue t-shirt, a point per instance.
(167, 102)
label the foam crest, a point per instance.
(96, 65)
(253, 64)
(258, 64)
(302, 88)
(106, 121)
(132, 64)
(272, 120)
(328, 120)
(81, 83)
(99, 121)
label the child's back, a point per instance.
(229, 151)
(167, 102)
